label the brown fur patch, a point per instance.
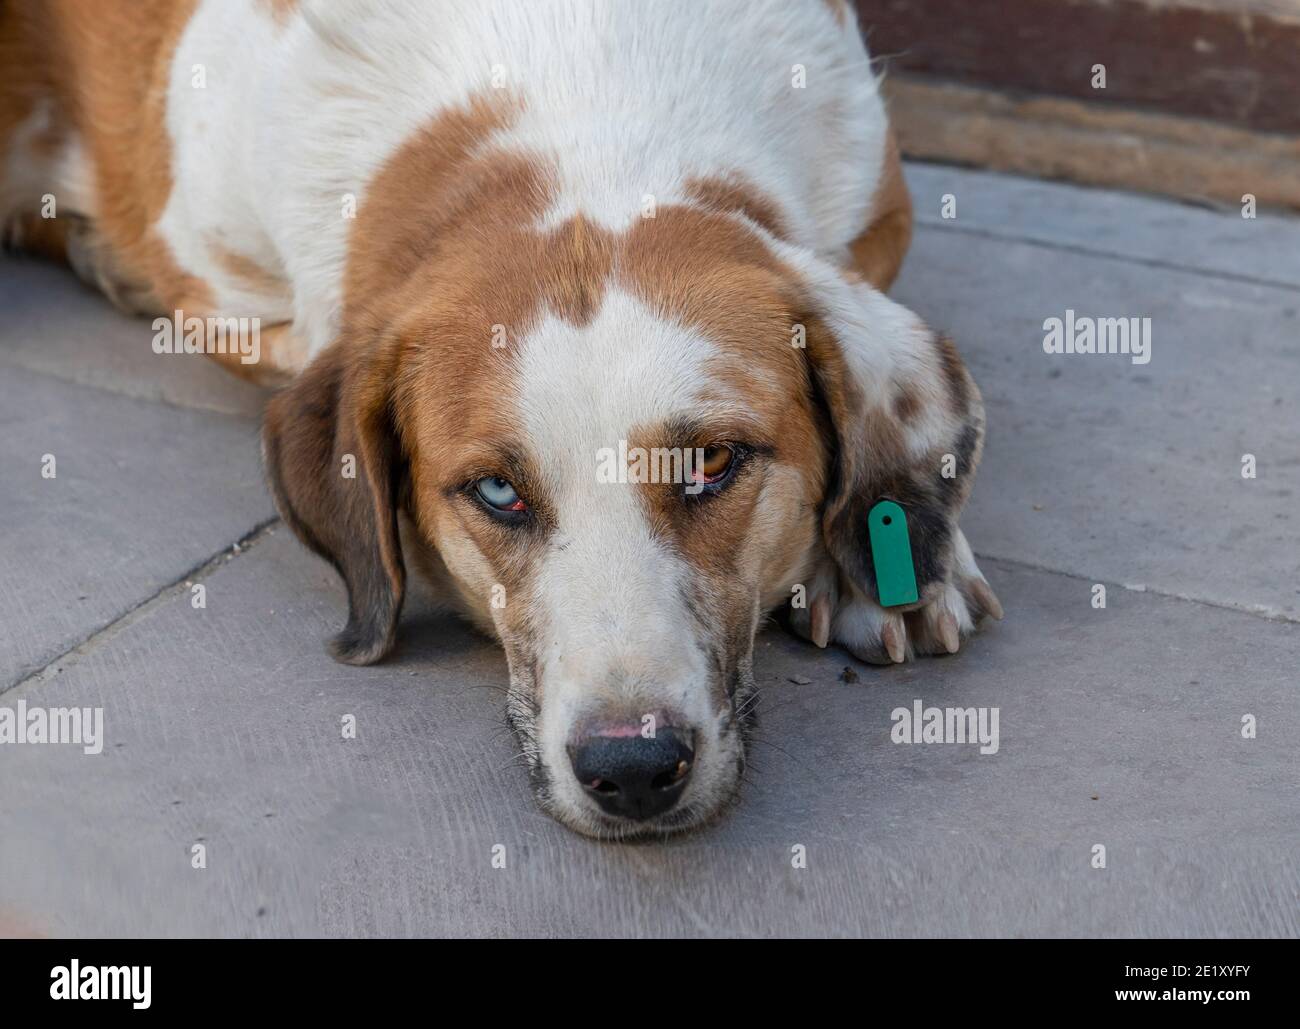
(442, 265)
(32, 234)
(444, 260)
(879, 251)
(955, 375)
(907, 404)
(251, 275)
(735, 194)
(29, 77)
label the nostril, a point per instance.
(603, 786)
(668, 779)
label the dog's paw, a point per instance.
(881, 636)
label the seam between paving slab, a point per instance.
(1106, 255)
(73, 654)
(1264, 611)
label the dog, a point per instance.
(488, 242)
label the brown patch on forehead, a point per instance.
(582, 256)
(421, 202)
(710, 273)
(446, 234)
(448, 231)
(735, 194)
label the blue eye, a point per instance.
(499, 494)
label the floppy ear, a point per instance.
(335, 467)
(908, 422)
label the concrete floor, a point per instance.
(1119, 727)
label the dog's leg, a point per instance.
(878, 252)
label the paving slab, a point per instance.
(223, 727)
(1118, 472)
(1265, 248)
(141, 494)
(55, 324)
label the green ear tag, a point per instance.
(891, 552)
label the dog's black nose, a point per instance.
(632, 775)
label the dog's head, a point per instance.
(625, 447)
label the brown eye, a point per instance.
(716, 463)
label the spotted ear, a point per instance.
(335, 468)
(907, 420)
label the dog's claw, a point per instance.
(986, 598)
(894, 636)
(948, 633)
(820, 613)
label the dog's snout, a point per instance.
(634, 775)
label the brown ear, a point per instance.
(335, 468)
(908, 423)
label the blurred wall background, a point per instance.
(1198, 99)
